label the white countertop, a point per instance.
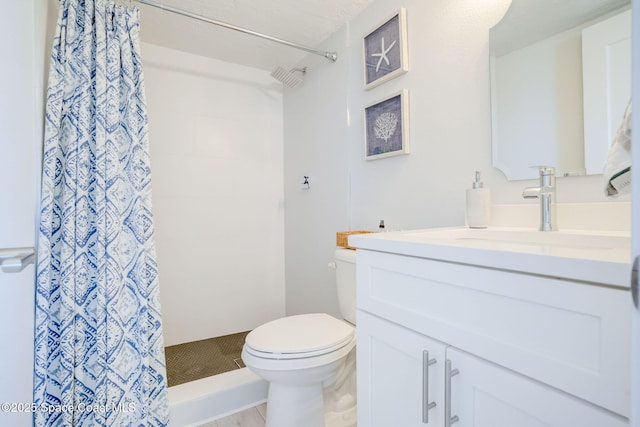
(587, 256)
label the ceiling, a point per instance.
(305, 22)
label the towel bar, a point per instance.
(14, 260)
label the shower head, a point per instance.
(288, 78)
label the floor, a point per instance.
(199, 359)
(252, 417)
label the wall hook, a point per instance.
(305, 185)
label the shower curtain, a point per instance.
(99, 356)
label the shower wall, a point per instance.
(217, 167)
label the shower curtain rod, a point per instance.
(332, 56)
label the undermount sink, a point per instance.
(587, 256)
(573, 239)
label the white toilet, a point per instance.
(309, 360)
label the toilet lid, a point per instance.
(299, 336)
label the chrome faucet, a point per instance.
(546, 192)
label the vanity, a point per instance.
(494, 327)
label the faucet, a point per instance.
(546, 192)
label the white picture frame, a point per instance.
(385, 50)
(386, 127)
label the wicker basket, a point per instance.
(342, 237)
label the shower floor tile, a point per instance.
(199, 359)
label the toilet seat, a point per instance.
(299, 337)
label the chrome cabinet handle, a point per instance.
(426, 405)
(448, 419)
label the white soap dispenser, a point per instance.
(478, 204)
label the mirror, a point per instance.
(560, 81)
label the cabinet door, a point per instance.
(393, 373)
(487, 395)
(606, 75)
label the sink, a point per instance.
(496, 237)
(586, 256)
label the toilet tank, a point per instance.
(345, 262)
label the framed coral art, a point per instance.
(385, 50)
(387, 127)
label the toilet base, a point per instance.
(295, 406)
(346, 418)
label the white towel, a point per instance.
(617, 169)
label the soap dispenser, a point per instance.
(478, 204)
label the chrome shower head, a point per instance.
(288, 78)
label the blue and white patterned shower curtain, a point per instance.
(99, 356)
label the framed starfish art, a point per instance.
(385, 50)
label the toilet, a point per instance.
(309, 360)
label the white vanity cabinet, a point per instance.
(400, 372)
(486, 395)
(519, 349)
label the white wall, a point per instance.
(217, 166)
(22, 28)
(450, 127)
(316, 134)
(635, 87)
